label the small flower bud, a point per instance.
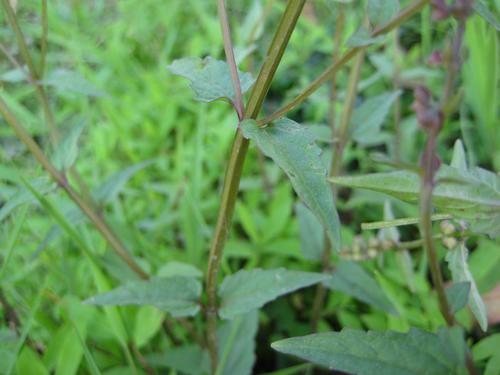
(372, 253)
(373, 242)
(387, 245)
(447, 228)
(450, 242)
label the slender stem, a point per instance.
(397, 104)
(231, 61)
(413, 8)
(43, 43)
(61, 180)
(235, 166)
(342, 136)
(426, 224)
(34, 78)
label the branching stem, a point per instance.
(235, 166)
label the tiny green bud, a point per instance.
(372, 253)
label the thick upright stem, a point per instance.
(235, 166)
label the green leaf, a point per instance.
(175, 268)
(236, 347)
(147, 323)
(24, 196)
(114, 184)
(482, 9)
(66, 151)
(70, 81)
(403, 256)
(459, 159)
(177, 295)
(236, 343)
(381, 11)
(190, 359)
(457, 263)
(292, 147)
(389, 353)
(312, 239)
(369, 117)
(350, 278)
(472, 195)
(458, 295)
(248, 290)
(363, 38)
(210, 78)
(29, 362)
(487, 347)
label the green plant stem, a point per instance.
(43, 42)
(235, 166)
(34, 77)
(409, 11)
(397, 104)
(231, 61)
(342, 136)
(426, 224)
(61, 180)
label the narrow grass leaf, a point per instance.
(248, 290)
(292, 147)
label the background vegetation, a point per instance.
(156, 160)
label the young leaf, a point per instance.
(312, 240)
(381, 11)
(362, 38)
(369, 117)
(459, 160)
(457, 263)
(350, 278)
(175, 268)
(248, 290)
(23, 196)
(66, 151)
(388, 353)
(115, 183)
(177, 295)
(458, 295)
(292, 147)
(210, 78)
